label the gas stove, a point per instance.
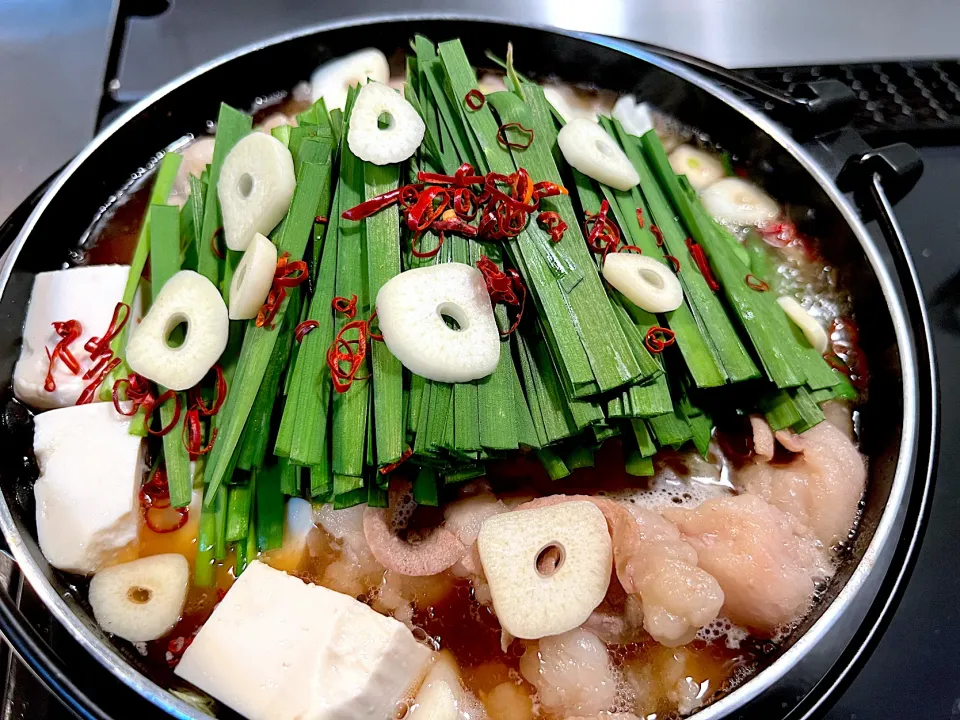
(911, 672)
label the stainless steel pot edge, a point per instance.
(110, 659)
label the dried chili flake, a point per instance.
(192, 435)
(503, 140)
(215, 243)
(453, 224)
(289, 273)
(303, 328)
(755, 283)
(270, 308)
(674, 263)
(69, 331)
(97, 367)
(553, 224)
(474, 99)
(320, 220)
(101, 346)
(504, 287)
(603, 236)
(640, 218)
(429, 206)
(164, 397)
(451, 204)
(345, 356)
(548, 189)
(703, 265)
(195, 399)
(465, 204)
(463, 177)
(415, 249)
(631, 248)
(657, 235)
(345, 307)
(137, 391)
(90, 391)
(372, 206)
(373, 335)
(658, 339)
(386, 469)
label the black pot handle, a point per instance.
(815, 107)
(874, 178)
(34, 652)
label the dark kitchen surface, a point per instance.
(912, 673)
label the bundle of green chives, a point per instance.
(569, 378)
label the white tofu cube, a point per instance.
(88, 506)
(279, 648)
(87, 294)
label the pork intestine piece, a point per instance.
(572, 673)
(821, 488)
(767, 563)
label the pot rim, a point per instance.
(161, 697)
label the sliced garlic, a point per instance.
(737, 201)
(255, 188)
(588, 148)
(253, 278)
(812, 330)
(701, 168)
(392, 144)
(569, 103)
(647, 283)
(548, 568)
(333, 79)
(141, 600)
(635, 117)
(413, 309)
(188, 298)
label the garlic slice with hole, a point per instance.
(647, 283)
(701, 167)
(548, 567)
(414, 308)
(333, 79)
(255, 188)
(141, 600)
(588, 148)
(812, 330)
(737, 201)
(635, 117)
(391, 144)
(253, 278)
(187, 298)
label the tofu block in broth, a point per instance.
(277, 647)
(87, 494)
(88, 295)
